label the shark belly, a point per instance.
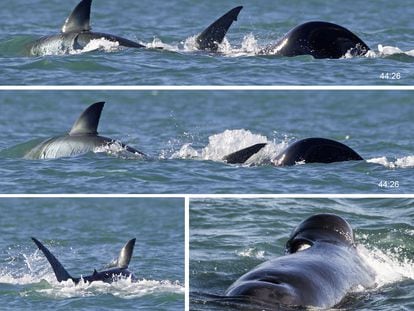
(66, 146)
(53, 45)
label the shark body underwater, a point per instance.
(309, 150)
(82, 138)
(76, 34)
(320, 267)
(115, 271)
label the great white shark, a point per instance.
(76, 34)
(117, 269)
(320, 267)
(308, 150)
(82, 138)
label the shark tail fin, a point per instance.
(88, 121)
(79, 19)
(243, 155)
(125, 255)
(214, 34)
(58, 269)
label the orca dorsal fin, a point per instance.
(125, 255)
(88, 121)
(214, 34)
(79, 19)
(94, 272)
(243, 155)
(60, 272)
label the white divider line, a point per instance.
(187, 253)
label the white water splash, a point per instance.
(190, 44)
(57, 48)
(382, 51)
(118, 150)
(123, 288)
(251, 253)
(230, 141)
(36, 268)
(158, 44)
(249, 46)
(98, 45)
(388, 267)
(404, 162)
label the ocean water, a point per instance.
(87, 234)
(385, 26)
(186, 135)
(229, 237)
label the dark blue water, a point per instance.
(186, 135)
(385, 26)
(229, 237)
(87, 234)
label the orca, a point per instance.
(319, 39)
(82, 138)
(309, 150)
(116, 270)
(76, 34)
(214, 34)
(320, 267)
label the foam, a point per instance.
(404, 162)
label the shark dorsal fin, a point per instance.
(60, 272)
(79, 19)
(88, 121)
(125, 255)
(94, 272)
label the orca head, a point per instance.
(316, 150)
(321, 227)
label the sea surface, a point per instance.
(385, 26)
(229, 237)
(88, 234)
(186, 134)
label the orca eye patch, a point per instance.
(298, 246)
(302, 247)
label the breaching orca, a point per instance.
(117, 269)
(309, 150)
(76, 33)
(82, 138)
(319, 39)
(320, 267)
